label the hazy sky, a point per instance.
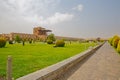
(73, 18)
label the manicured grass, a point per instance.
(32, 57)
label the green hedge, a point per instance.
(118, 47)
(110, 41)
(60, 43)
(49, 41)
(2, 42)
(115, 41)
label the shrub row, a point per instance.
(115, 42)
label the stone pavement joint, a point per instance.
(104, 64)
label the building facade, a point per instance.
(39, 33)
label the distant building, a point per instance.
(38, 33)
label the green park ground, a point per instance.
(35, 56)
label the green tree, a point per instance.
(98, 39)
(2, 42)
(50, 39)
(18, 39)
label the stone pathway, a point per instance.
(104, 64)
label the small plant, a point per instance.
(118, 46)
(49, 41)
(2, 42)
(60, 43)
(10, 42)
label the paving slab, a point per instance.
(104, 64)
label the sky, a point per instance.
(69, 18)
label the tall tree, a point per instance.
(50, 38)
(18, 39)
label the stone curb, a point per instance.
(55, 71)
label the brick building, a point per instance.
(38, 33)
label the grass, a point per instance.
(32, 57)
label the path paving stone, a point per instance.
(104, 64)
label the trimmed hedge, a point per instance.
(10, 42)
(110, 41)
(60, 43)
(2, 42)
(49, 41)
(118, 46)
(115, 41)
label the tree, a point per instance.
(18, 39)
(23, 42)
(2, 42)
(98, 39)
(50, 39)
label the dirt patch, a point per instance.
(2, 78)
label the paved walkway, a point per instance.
(102, 65)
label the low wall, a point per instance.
(56, 70)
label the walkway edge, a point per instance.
(54, 71)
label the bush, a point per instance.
(10, 42)
(2, 42)
(115, 41)
(18, 39)
(30, 41)
(60, 43)
(110, 41)
(49, 41)
(118, 46)
(51, 37)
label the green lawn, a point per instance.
(32, 57)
